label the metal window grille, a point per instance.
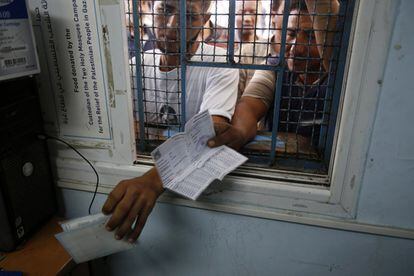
(297, 132)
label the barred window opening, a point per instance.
(290, 55)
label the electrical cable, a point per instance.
(47, 137)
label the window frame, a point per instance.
(279, 70)
(285, 197)
(338, 200)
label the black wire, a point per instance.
(46, 137)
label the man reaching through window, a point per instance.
(310, 31)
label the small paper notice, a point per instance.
(86, 238)
(187, 165)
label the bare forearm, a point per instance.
(243, 126)
(245, 119)
(155, 180)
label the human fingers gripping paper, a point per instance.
(187, 168)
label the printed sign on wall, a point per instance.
(69, 37)
(17, 50)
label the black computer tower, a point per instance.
(27, 197)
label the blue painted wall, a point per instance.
(388, 186)
(185, 241)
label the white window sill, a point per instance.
(259, 198)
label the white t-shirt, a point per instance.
(209, 88)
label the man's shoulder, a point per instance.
(150, 55)
(210, 53)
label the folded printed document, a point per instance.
(187, 165)
(86, 238)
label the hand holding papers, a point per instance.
(86, 238)
(187, 165)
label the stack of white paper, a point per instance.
(187, 165)
(86, 238)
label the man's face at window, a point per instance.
(167, 23)
(301, 50)
(247, 11)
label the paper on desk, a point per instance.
(187, 165)
(86, 238)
